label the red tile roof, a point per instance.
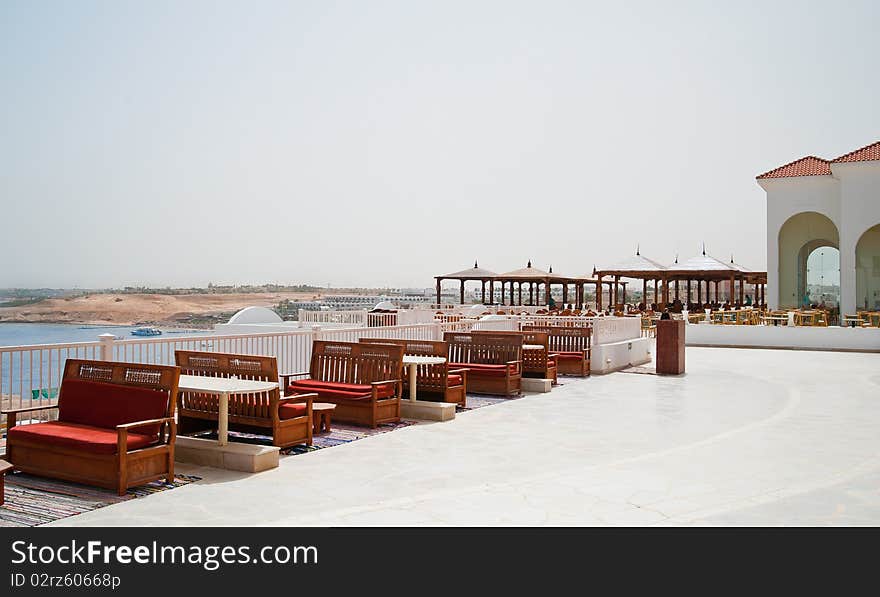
(808, 166)
(865, 154)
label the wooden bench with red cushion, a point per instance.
(493, 360)
(571, 345)
(287, 420)
(115, 427)
(362, 380)
(433, 380)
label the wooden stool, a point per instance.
(322, 412)
(5, 467)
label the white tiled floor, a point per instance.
(746, 437)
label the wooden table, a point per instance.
(5, 467)
(322, 412)
(853, 320)
(223, 387)
(414, 361)
(776, 319)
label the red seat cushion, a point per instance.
(571, 355)
(329, 395)
(95, 440)
(291, 410)
(303, 386)
(482, 368)
(106, 405)
(454, 380)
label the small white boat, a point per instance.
(146, 332)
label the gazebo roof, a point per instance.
(705, 263)
(636, 264)
(526, 273)
(473, 273)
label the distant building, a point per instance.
(814, 203)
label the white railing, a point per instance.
(353, 317)
(31, 375)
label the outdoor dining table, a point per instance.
(223, 387)
(533, 347)
(776, 319)
(414, 361)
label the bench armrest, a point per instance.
(384, 382)
(122, 433)
(136, 424)
(458, 371)
(285, 378)
(27, 409)
(298, 398)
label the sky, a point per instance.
(381, 143)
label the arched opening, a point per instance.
(822, 276)
(868, 270)
(802, 236)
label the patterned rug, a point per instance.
(32, 501)
(340, 433)
(475, 401)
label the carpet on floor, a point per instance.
(32, 500)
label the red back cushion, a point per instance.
(107, 405)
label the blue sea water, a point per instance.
(15, 334)
(21, 373)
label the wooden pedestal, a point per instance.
(670, 347)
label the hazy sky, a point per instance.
(381, 143)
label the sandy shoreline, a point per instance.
(184, 310)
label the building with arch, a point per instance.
(824, 211)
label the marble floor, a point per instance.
(746, 437)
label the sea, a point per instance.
(16, 334)
(20, 371)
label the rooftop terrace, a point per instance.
(745, 437)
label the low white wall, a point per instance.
(615, 356)
(607, 330)
(808, 338)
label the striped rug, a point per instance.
(32, 500)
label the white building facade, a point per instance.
(812, 203)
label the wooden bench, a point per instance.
(493, 360)
(115, 427)
(539, 363)
(438, 380)
(571, 345)
(362, 380)
(287, 420)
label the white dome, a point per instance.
(385, 306)
(256, 315)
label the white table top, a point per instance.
(422, 360)
(533, 346)
(223, 385)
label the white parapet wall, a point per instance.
(787, 337)
(617, 344)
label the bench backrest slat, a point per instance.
(429, 376)
(496, 348)
(564, 339)
(355, 363)
(242, 366)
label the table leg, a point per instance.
(223, 420)
(412, 381)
